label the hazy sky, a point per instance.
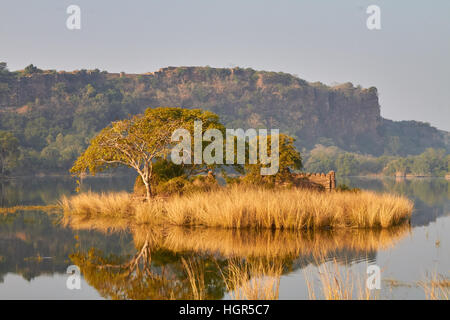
(408, 60)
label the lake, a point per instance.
(120, 261)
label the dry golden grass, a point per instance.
(337, 283)
(253, 281)
(119, 204)
(437, 287)
(196, 276)
(287, 209)
(252, 208)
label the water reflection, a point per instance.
(127, 262)
(35, 243)
(124, 261)
(48, 190)
(158, 269)
(148, 274)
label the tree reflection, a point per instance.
(157, 275)
(205, 263)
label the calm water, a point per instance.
(119, 261)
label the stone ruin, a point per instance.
(327, 181)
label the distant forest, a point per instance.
(47, 118)
(432, 162)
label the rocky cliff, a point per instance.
(345, 115)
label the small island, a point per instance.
(167, 193)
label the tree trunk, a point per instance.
(146, 178)
(148, 188)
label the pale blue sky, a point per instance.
(408, 60)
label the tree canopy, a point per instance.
(141, 140)
(289, 160)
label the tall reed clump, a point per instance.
(253, 280)
(91, 204)
(288, 209)
(436, 287)
(238, 207)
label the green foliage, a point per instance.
(289, 160)
(80, 104)
(9, 151)
(165, 170)
(142, 141)
(182, 185)
(30, 69)
(432, 162)
(177, 185)
(347, 164)
(322, 159)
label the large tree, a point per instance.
(289, 161)
(140, 141)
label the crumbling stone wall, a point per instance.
(327, 181)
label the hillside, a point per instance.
(53, 114)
